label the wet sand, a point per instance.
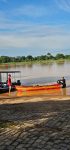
(48, 94)
(20, 97)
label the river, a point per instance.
(40, 73)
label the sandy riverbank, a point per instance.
(13, 98)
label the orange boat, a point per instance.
(23, 88)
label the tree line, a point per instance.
(49, 56)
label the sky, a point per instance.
(34, 27)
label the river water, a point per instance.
(39, 73)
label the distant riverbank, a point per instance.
(50, 61)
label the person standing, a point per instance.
(9, 83)
(62, 82)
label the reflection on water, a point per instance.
(60, 62)
(64, 91)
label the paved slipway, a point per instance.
(35, 123)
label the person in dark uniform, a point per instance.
(62, 82)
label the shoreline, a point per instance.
(28, 99)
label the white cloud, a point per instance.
(32, 10)
(28, 30)
(19, 34)
(51, 41)
(14, 34)
(63, 4)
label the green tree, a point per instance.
(29, 57)
(59, 56)
(43, 57)
(5, 59)
(67, 56)
(49, 56)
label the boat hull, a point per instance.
(37, 87)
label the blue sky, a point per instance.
(34, 27)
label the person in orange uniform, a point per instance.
(9, 83)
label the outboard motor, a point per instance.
(62, 82)
(58, 81)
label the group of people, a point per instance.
(61, 81)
